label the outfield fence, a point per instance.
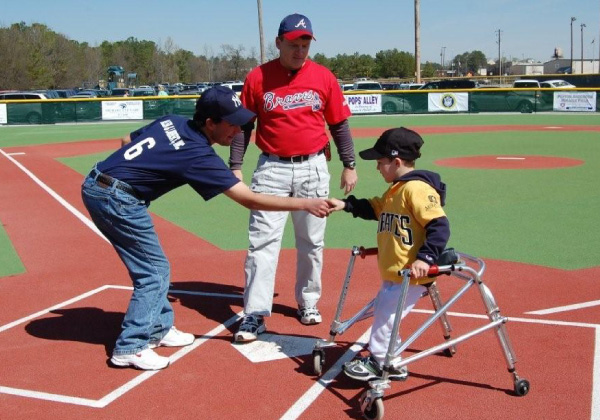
(361, 102)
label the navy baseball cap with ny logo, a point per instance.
(294, 26)
(223, 103)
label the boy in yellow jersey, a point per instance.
(412, 231)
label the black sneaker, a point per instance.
(366, 368)
(251, 326)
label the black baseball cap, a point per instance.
(294, 26)
(222, 102)
(395, 143)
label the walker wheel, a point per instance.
(372, 408)
(318, 361)
(522, 387)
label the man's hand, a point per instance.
(349, 180)
(419, 269)
(318, 207)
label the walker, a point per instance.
(462, 266)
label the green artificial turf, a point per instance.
(10, 263)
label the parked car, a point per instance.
(235, 86)
(119, 92)
(367, 85)
(526, 83)
(495, 100)
(347, 86)
(142, 91)
(391, 86)
(411, 86)
(556, 84)
(85, 94)
(447, 84)
(30, 112)
(66, 93)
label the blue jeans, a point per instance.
(126, 223)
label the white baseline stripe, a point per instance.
(60, 305)
(510, 158)
(573, 307)
(54, 195)
(314, 391)
(48, 397)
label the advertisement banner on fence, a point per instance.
(122, 110)
(575, 101)
(3, 117)
(448, 102)
(364, 104)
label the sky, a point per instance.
(529, 29)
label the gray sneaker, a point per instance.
(251, 326)
(366, 368)
(309, 315)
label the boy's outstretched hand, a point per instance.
(419, 269)
(335, 204)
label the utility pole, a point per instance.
(582, 26)
(443, 57)
(417, 41)
(260, 32)
(572, 20)
(499, 42)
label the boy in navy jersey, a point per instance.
(153, 160)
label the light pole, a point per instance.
(582, 26)
(443, 57)
(572, 20)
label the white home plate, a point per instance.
(269, 347)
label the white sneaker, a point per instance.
(309, 316)
(174, 338)
(145, 360)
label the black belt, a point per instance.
(295, 158)
(105, 181)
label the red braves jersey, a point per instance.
(292, 108)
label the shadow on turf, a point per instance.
(214, 307)
(86, 325)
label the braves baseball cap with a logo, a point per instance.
(395, 143)
(295, 26)
(222, 102)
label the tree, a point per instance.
(394, 63)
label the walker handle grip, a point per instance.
(367, 251)
(434, 270)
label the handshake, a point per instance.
(323, 207)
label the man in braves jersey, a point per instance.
(293, 98)
(168, 153)
(412, 231)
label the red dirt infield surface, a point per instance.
(509, 162)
